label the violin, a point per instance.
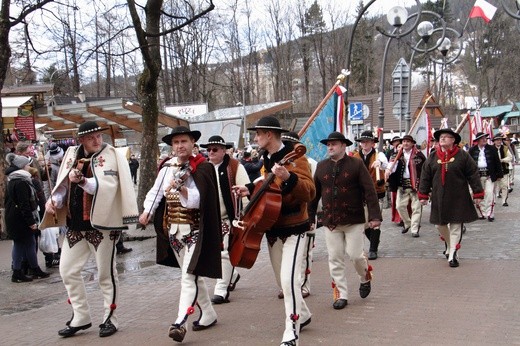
(258, 216)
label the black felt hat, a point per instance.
(336, 136)
(291, 137)
(408, 138)
(396, 138)
(437, 134)
(89, 127)
(268, 123)
(181, 130)
(367, 136)
(218, 141)
(480, 135)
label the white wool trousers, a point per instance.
(72, 261)
(286, 259)
(229, 273)
(193, 288)
(452, 234)
(346, 240)
(403, 197)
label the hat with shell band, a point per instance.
(217, 140)
(89, 127)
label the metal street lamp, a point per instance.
(351, 40)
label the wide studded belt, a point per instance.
(175, 213)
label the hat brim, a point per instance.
(479, 137)
(348, 142)
(267, 128)
(98, 129)
(227, 146)
(361, 139)
(168, 138)
(437, 134)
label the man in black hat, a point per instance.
(93, 178)
(394, 148)
(444, 180)
(490, 170)
(404, 177)
(191, 217)
(505, 159)
(285, 236)
(344, 186)
(375, 163)
(229, 172)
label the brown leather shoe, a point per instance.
(177, 332)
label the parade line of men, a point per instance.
(196, 200)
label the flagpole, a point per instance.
(400, 152)
(417, 118)
(339, 79)
(462, 123)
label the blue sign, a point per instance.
(355, 111)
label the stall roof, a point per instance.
(10, 105)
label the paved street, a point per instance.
(416, 298)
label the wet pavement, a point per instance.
(416, 298)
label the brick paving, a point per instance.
(416, 298)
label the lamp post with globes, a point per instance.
(397, 24)
(397, 17)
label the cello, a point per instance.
(258, 216)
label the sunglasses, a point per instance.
(213, 150)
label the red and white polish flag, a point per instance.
(483, 9)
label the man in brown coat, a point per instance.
(445, 178)
(345, 186)
(286, 237)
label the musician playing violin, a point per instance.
(286, 237)
(192, 221)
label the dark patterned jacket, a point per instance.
(344, 187)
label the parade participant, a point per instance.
(490, 170)
(505, 158)
(404, 177)
(229, 173)
(21, 217)
(252, 165)
(133, 163)
(93, 178)
(375, 163)
(192, 217)
(289, 139)
(512, 150)
(444, 179)
(286, 237)
(395, 142)
(345, 186)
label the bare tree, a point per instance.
(8, 21)
(148, 37)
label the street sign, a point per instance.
(400, 77)
(355, 112)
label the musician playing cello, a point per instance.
(286, 237)
(192, 219)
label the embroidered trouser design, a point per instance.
(193, 288)
(229, 273)
(286, 258)
(74, 256)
